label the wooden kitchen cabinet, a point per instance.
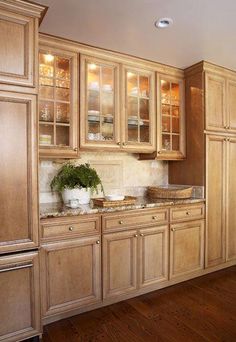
(153, 255)
(138, 123)
(70, 275)
(19, 297)
(18, 40)
(99, 110)
(186, 248)
(119, 263)
(215, 198)
(18, 172)
(231, 101)
(58, 101)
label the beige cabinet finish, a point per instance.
(186, 213)
(231, 105)
(70, 274)
(119, 263)
(215, 198)
(231, 200)
(18, 41)
(58, 100)
(19, 293)
(186, 248)
(153, 255)
(215, 102)
(18, 172)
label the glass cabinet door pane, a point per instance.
(175, 143)
(46, 111)
(133, 133)
(63, 68)
(132, 84)
(46, 65)
(144, 133)
(144, 109)
(165, 92)
(166, 124)
(62, 135)
(46, 135)
(166, 142)
(175, 94)
(175, 125)
(144, 86)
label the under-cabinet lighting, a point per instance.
(49, 58)
(92, 66)
(164, 22)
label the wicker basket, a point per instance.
(169, 192)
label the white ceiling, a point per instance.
(202, 29)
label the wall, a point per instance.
(120, 173)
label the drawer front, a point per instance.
(52, 229)
(121, 221)
(187, 213)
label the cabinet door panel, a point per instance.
(153, 255)
(215, 197)
(186, 248)
(232, 105)
(70, 275)
(119, 263)
(231, 201)
(18, 172)
(215, 102)
(19, 296)
(17, 43)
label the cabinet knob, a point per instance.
(118, 143)
(141, 234)
(225, 127)
(135, 235)
(228, 139)
(173, 229)
(124, 144)
(187, 213)
(159, 152)
(76, 149)
(70, 229)
(121, 222)
(154, 217)
(225, 139)
(97, 242)
(228, 127)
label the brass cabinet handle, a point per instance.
(71, 228)
(118, 143)
(97, 242)
(124, 144)
(121, 222)
(76, 149)
(228, 127)
(225, 139)
(135, 235)
(173, 229)
(225, 127)
(228, 139)
(154, 217)
(159, 152)
(187, 213)
(141, 234)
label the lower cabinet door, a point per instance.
(186, 248)
(70, 275)
(119, 263)
(153, 255)
(19, 297)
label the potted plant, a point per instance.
(76, 182)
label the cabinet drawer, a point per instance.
(52, 229)
(187, 213)
(111, 222)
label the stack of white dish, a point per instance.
(133, 120)
(93, 115)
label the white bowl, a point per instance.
(114, 197)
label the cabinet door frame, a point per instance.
(139, 147)
(164, 154)
(221, 259)
(174, 228)
(163, 230)
(84, 142)
(49, 310)
(32, 179)
(107, 240)
(17, 262)
(229, 257)
(71, 151)
(208, 125)
(30, 29)
(230, 129)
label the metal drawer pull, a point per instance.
(97, 242)
(135, 235)
(154, 217)
(13, 268)
(70, 228)
(173, 229)
(187, 213)
(121, 222)
(141, 234)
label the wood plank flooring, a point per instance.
(202, 309)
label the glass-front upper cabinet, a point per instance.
(99, 110)
(58, 103)
(171, 123)
(139, 110)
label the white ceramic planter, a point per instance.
(81, 194)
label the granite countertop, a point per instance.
(49, 210)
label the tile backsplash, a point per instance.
(119, 172)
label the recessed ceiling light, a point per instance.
(164, 22)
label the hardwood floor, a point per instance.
(202, 309)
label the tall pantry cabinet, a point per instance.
(211, 155)
(19, 272)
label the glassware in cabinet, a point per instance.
(139, 110)
(99, 103)
(57, 103)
